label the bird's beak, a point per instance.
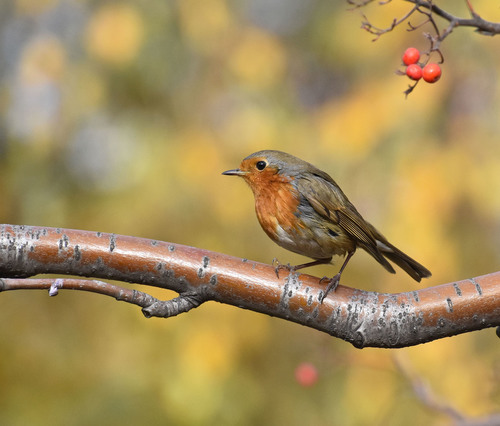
(234, 172)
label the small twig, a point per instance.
(151, 306)
(471, 10)
(378, 32)
(359, 4)
(412, 27)
(410, 89)
(435, 40)
(134, 297)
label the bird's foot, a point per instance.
(332, 285)
(278, 266)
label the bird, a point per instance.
(302, 209)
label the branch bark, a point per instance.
(359, 317)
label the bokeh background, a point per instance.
(119, 116)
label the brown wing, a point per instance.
(328, 200)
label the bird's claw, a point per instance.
(280, 266)
(332, 286)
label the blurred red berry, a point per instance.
(432, 73)
(411, 56)
(414, 72)
(306, 374)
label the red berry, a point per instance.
(432, 73)
(414, 72)
(306, 374)
(411, 56)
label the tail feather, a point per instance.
(405, 262)
(379, 257)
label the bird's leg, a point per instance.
(291, 268)
(334, 282)
(314, 263)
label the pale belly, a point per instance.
(316, 244)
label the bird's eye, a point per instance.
(261, 165)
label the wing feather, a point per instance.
(328, 200)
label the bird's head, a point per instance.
(266, 167)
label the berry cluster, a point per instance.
(430, 72)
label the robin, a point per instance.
(302, 209)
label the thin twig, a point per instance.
(378, 32)
(152, 307)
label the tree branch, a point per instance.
(359, 317)
(482, 26)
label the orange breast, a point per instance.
(276, 202)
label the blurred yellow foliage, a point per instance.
(250, 128)
(86, 90)
(207, 24)
(198, 150)
(379, 404)
(43, 59)
(208, 354)
(350, 127)
(257, 60)
(33, 7)
(115, 33)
